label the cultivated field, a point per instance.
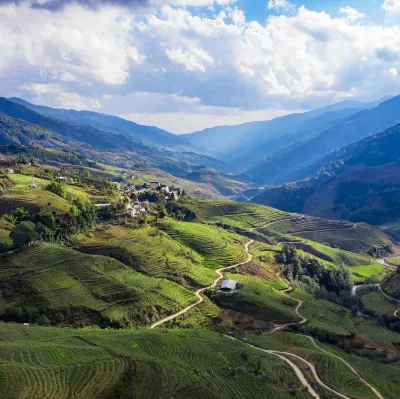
(48, 362)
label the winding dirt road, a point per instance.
(353, 370)
(281, 355)
(201, 290)
(296, 309)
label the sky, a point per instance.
(186, 65)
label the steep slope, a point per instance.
(250, 142)
(106, 146)
(280, 168)
(150, 134)
(359, 182)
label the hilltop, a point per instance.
(358, 183)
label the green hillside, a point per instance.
(69, 287)
(49, 362)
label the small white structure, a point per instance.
(62, 179)
(164, 188)
(26, 324)
(228, 285)
(33, 184)
(102, 205)
(10, 171)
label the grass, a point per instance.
(260, 299)
(333, 255)
(33, 199)
(235, 214)
(55, 280)
(49, 362)
(331, 370)
(362, 273)
(395, 260)
(5, 229)
(217, 247)
(359, 239)
(392, 286)
(152, 252)
(378, 303)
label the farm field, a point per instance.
(217, 247)
(376, 302)
(333, 371)
(392, 286)
(70, 287)
(235, 214)
(333, 255)
(259, 299)
(361, 238)
(185, 363)
(364, 272)
(151, 251)
(5, 229)
(33, 199)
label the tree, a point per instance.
(24, 234)
(43, 320)
(9, 218)
(58, 189)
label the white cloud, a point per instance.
(281, 5)
(173, 60)
(56, 95)
(351, 14)
(74, 45)
(193, 59)
(391, 6)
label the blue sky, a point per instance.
(185, 65)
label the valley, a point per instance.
(114, 274)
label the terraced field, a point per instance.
(55, 280)
(48, 362)
(325, 315)
(260, 299)
(217, 247)
(333, 255)
(362, 273)
(235, 214)
(378, 303)
(392, 286)
(334, 372)
(153, 252)
(5, 229)
(33, 199)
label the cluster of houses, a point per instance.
(154, 186)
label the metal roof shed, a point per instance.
(228, 285)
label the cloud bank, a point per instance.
(200, 60)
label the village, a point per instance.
(139, 196)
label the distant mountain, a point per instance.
(282, 167)
(99, 144)
(250, 141)
(360, 182)
(149, 134)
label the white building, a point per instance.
(229, 285)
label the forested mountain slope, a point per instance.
(149, 134)
(281, 168)
(359, 182)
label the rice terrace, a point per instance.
(199, 199)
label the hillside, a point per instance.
(149, 134)
(249, 143)
(358, 183)
(281, 168)
(107, 301)
(104, 144)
